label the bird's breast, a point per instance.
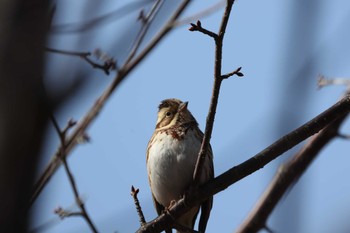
(171, 161)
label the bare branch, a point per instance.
(78, 200)
(198, 27)
(146, 20)
(323, 81)
(235, 72)
(287, 175)
(134, 193)
(83, 212)
(107, 66)
(215, 95)
(343, 136)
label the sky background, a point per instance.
(283, 46)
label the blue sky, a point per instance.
(282, 46)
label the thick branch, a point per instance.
(220, 183)
(287, 175)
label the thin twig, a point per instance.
(198, 27)
(323, 81)
(69, 53)
(79, 202)
(343, 136)
(235, 72)
(253, 164)
(107, 66)
(134, 193)
(146, 23)
(62, 213)
(286, 176)
(91, 115)
(83, 212)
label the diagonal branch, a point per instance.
(231, 176)
(91, 115)
(287, 175)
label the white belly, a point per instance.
(170, 165)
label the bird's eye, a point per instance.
(168, 114)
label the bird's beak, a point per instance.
(183, 106)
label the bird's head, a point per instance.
(173, 112)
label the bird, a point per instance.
(171, 158)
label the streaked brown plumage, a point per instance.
(171, 157)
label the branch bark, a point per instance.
(287, 175)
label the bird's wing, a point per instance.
(158, 206)
(160, 209)
(207, 205)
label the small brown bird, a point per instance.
(171, 158)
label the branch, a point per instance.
(146, 20)
(91, 115)
(198, 27)
(78, 200)
(287, 175)
(134, 193)
(323, 81)
(343, 136)
(216, 90)
(235, 72)
(108, 65)
(83, 212)
(226, 179)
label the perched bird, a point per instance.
(171, 158)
